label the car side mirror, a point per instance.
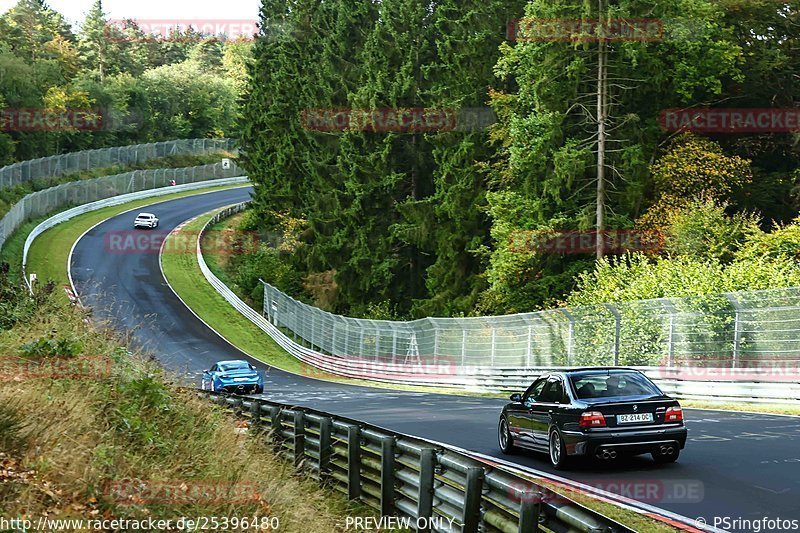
(517, 398)
(206, 372)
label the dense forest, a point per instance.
(381, 215)
(142, 87)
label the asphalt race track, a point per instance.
(735, 465)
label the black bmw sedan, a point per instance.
(597, 413)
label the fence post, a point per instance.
(387, 476)
(472, 500)
(671, 341)
(737, 330)
(529, 349)
(299, 434)
(353, 462)
(463, 347)
(494, 345)
(617, 326)
(570, 335)
(427, 468)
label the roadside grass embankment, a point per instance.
(90, 430)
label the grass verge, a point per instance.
(91, 431)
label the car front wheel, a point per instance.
(504, 437)
(557, 450)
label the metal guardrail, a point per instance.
(445, 372)
(428, 484)
(58, 165)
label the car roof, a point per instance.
(146, 215)
(585, 371)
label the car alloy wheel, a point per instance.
(504, 436)
(557, 450)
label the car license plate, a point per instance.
(634, 417)
(241, 379)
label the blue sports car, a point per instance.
(233, 376)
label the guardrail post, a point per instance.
(472, 500)
(530, 506)
(387, 476)
(276, 427)
(299, 434)
(427, 469)
(255, 413)
(325, 446)
(353, 462)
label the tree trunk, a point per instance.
(602, 103)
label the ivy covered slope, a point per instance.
(418, 223)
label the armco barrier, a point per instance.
(482, 378)
(117, 200)
(58, 165)
(430, 485)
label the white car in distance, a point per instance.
(146, 220)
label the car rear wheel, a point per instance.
(504, 437)
(557, 450)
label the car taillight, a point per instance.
(674, 414)
(592, 419)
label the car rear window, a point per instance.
(234, 366)
(612, 385)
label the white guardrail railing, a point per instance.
(118, 200)
(481, 378)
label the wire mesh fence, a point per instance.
(43, 202)
(743, 330)
(58, 165)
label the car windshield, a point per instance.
(234, 366)
(612, 385)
